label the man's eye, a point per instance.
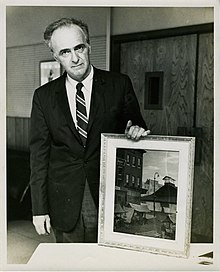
(80, 48)
(65, 53)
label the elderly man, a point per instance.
(67, 119)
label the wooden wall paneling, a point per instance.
(18, 133)
(136, 59)
(189, 95)
(205, 97)
(10, 127)
(180, 82)
(19, 129)
(175, 56)
(118, 40)
(134, 62)
(203, 186)
(26, 127)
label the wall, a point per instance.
(25, 51)
(23, 62)
(25, 25)
(145, 19)
(176, 58)
(25, 48)
(187, 63)
(202, 217)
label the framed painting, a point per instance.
(146, 193)
(49, 70)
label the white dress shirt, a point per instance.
(87, 91)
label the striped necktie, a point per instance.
(81, 116)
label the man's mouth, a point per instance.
(77, 66)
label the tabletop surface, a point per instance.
(93, 257)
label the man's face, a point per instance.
(71, 50)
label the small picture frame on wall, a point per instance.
(49, 70)
(146, 193)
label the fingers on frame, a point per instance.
(136, 132)
(140, 133)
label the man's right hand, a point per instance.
(42, 224)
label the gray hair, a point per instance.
(65, 22)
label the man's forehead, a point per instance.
(68, 36)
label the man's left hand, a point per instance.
(135, 132)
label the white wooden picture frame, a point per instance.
(146, 193)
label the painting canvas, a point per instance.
(146, 193)
(49, 70)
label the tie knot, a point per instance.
(79, 86)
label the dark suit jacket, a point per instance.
(59, 163)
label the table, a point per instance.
(93, 257)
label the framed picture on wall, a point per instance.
(146, 193)
(49, 70)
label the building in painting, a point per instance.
(164, 199)
(151, 185)
(128, 179)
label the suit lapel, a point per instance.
(64, 105)
(97, 106)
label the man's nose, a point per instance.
(74, 56)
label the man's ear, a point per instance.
(55, 57)
(90, 49)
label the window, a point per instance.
(133, 180)
(139, 162)
(119, 170)
(128, 159)
(134, 161)
(127, 178)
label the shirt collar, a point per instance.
(87, 82)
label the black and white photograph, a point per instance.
(109, 134)
(151, 191)
(146, 185)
